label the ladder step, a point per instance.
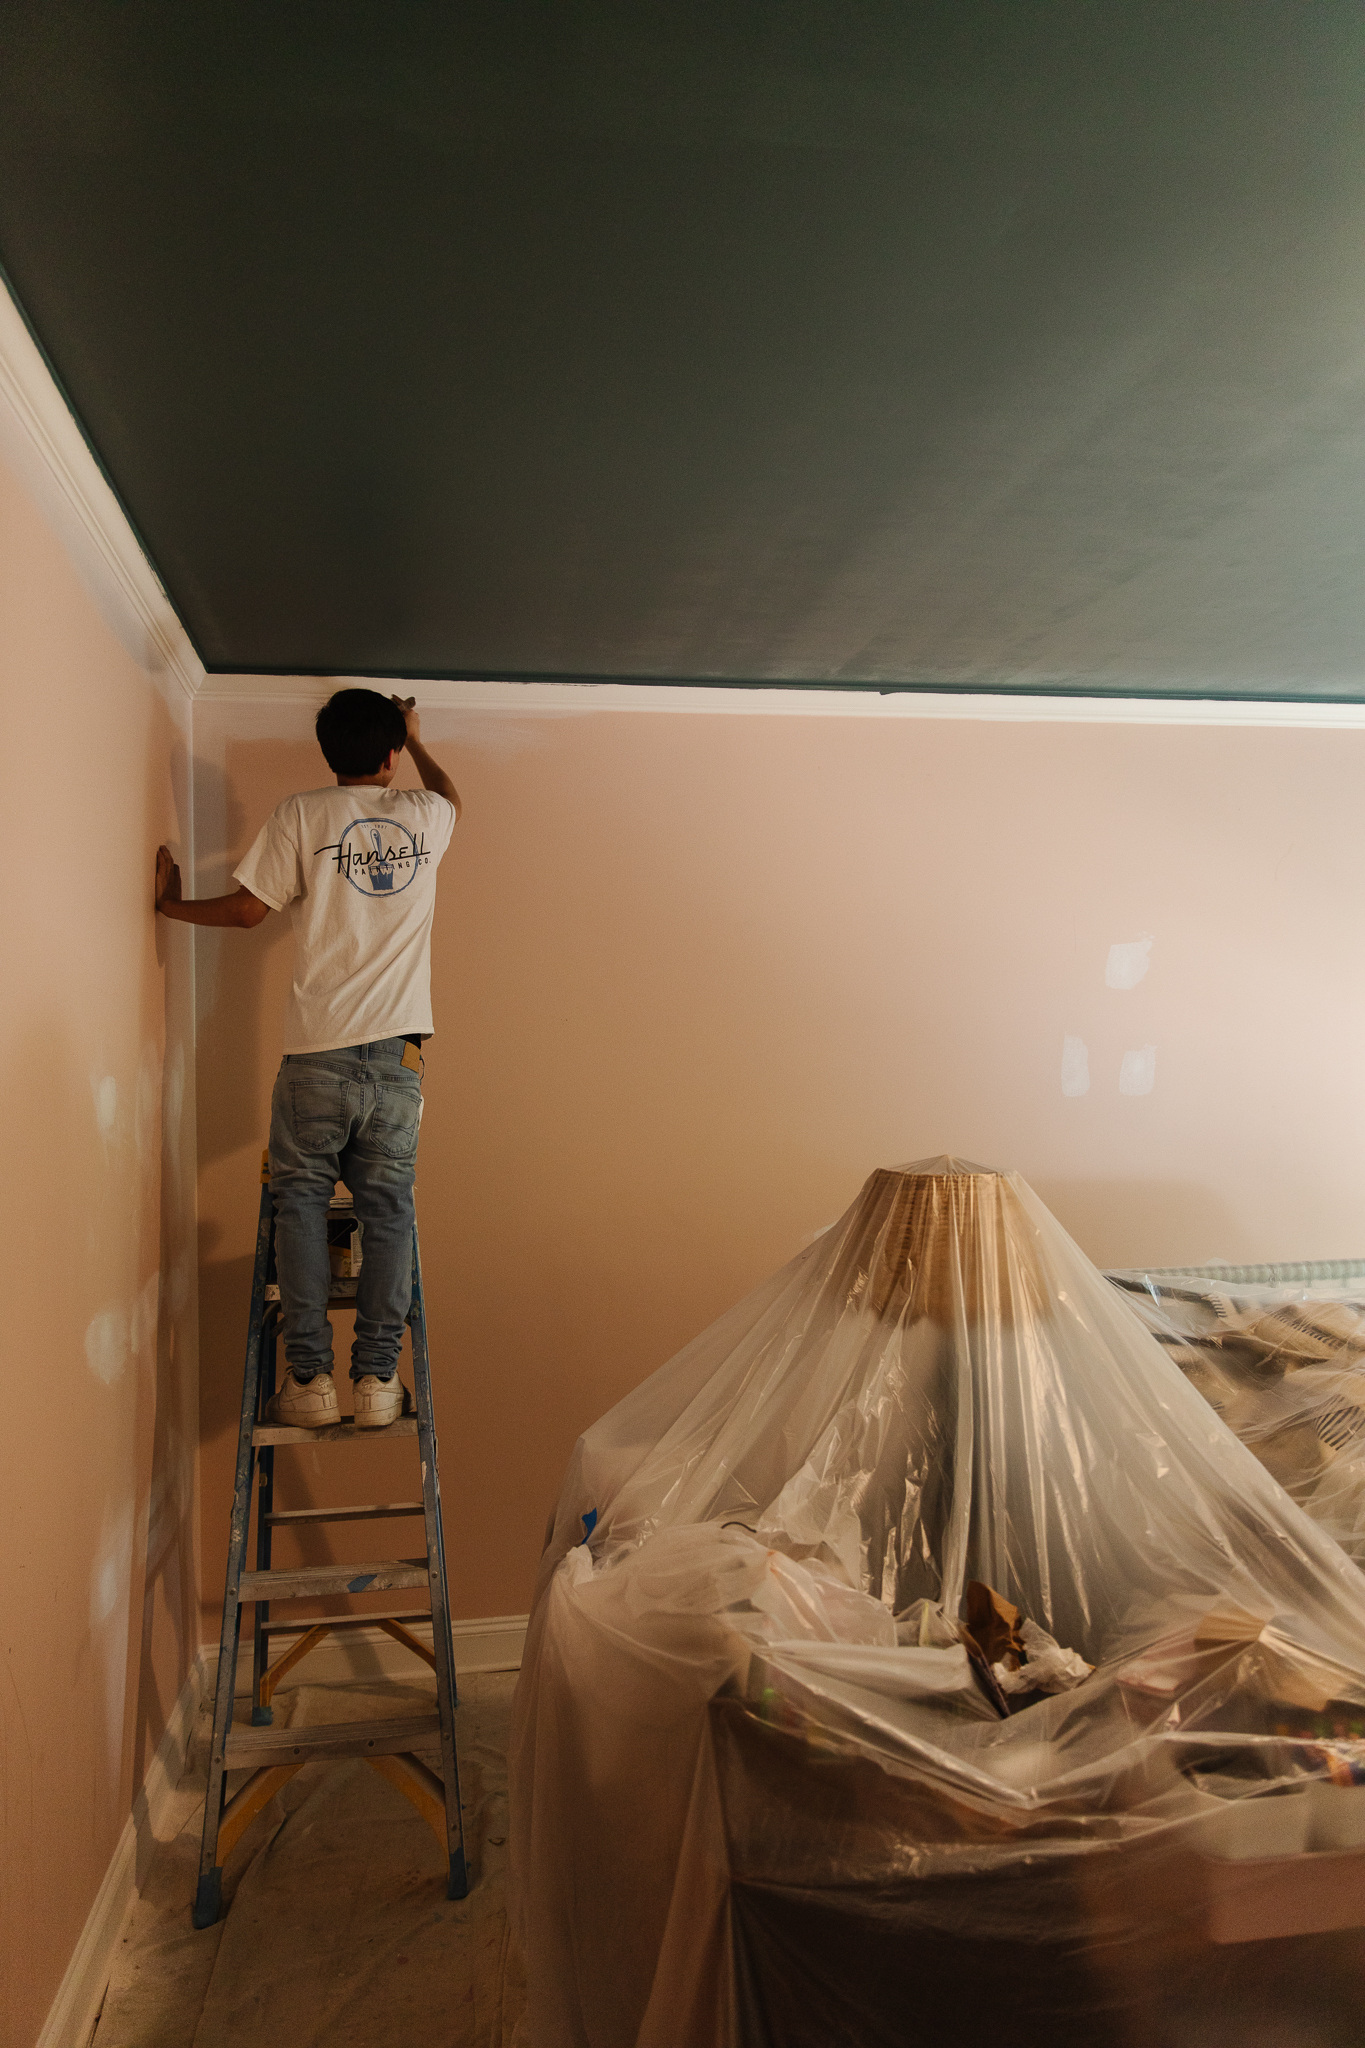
(407, 1615)
(283, 1518)
(303, 1582)
(343, 1432)
(259, 1748)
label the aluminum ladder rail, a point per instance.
(396, 1748)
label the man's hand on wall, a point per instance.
(432, 774)
(167, 886)
(411, 719)
(240, 908)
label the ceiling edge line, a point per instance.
(768, 700)
(58, 445)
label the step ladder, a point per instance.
(401, 1750)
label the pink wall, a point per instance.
(697, 974)
(97, 1510)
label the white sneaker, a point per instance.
(378, 1402)
(306, 1404)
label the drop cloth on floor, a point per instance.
(336, 1927)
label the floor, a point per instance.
(336, 1928)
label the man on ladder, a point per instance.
(357, 863)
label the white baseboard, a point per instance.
(75, 2009)
(493, 1643)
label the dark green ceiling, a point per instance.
(998, 345)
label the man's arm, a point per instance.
(432, 774)
(241, 908)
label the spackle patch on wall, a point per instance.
(106, 1344)
(111, 1570)
(1137, 1075)
(1128, 962)
(111, 1584)
(104, 1089)
(1075, 1067)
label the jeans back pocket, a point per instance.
(317, 1113)
(394, 1121)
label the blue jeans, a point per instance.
(349, 1115)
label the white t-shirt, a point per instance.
(359, 867)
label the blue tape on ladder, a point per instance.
(362, 1584)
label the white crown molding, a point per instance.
(1019, 708)
(44, 441)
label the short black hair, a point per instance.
(358, 730)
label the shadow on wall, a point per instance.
(241, 980)
(166, 1429)
(224, 1293)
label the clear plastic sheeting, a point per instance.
(1283, 1364)
(922, 1625)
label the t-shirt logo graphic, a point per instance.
(381, 874)
(377, 856)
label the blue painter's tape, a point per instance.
(589, 1523)
(361, 1584)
